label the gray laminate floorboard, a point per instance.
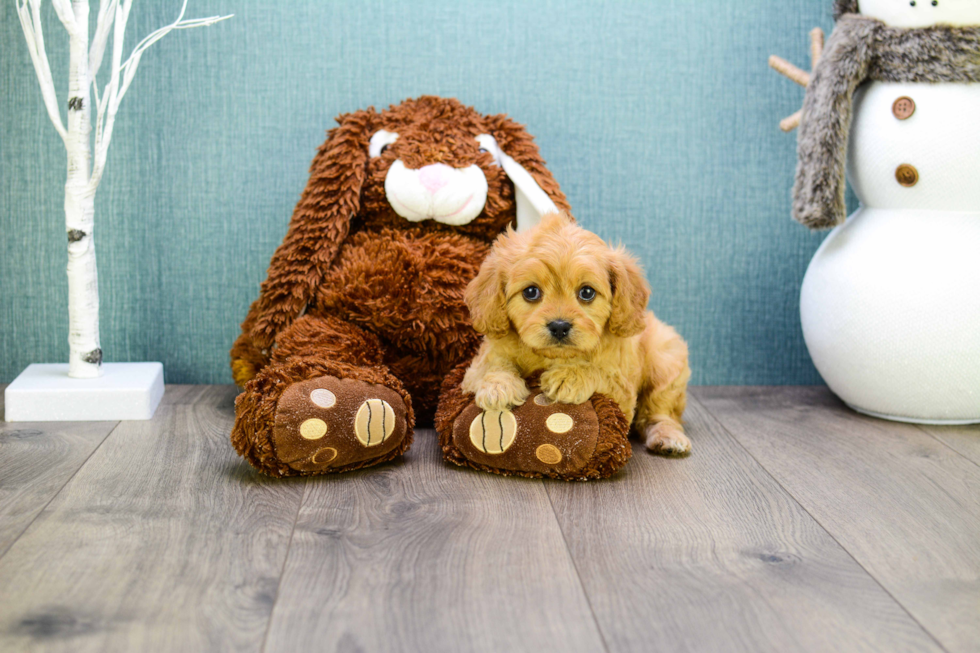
(963, 439)
(164, 541)
(36, 460)
(903, 504)
(796, 525)
(709, 553)
(422, 556)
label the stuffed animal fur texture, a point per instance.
(860, 49)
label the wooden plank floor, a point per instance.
(795, 525)
(902, 502)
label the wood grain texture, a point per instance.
(36, 460)
(963, 439)
(904, 505)
(796, 525)
(165, 540)
(421, 556)
(708, 553)
(186, 395)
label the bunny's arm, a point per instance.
(320, 223)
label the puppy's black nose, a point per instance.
(559, 329)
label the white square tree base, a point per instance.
(45, 393)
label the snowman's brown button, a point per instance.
(907, 175)
(903, 108)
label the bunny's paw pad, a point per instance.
(538, 437)
(325, 424)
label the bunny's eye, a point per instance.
(380, 142)
(532, 293)
(488, 145)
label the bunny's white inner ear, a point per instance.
(379, 141)
(532, 201)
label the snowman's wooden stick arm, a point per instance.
(786, 69)
(816, 46)
(792, 122)
(799, 76)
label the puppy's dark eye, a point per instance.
(384, 148)
(586, 293)
(532, 293)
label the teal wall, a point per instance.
(658, 119)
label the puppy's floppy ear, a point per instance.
(535, 190)
(320, 223)
(486, 299)
(630, 295)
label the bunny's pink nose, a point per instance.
(434, 177)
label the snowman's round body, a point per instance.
(890, 304)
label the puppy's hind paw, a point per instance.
(667, 439)
(501, 392)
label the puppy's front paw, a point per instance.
(501, 392)
(568, 385)
(667, 439)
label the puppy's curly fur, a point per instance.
(558, 300)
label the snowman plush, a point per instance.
(890, 304)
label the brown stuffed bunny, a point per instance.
(362, 314)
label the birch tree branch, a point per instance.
(116, 88)
(66, 15)
(134, 58)
(30, 22)
(118, 20)
(103, 25)
(108, 103)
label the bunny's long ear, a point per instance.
(321, 221)
(535, 189)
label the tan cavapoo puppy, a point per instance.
(558, 300)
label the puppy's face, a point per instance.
(559, 298)
(559, 288)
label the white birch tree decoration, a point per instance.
(84, 168)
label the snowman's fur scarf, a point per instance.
(862, 49)
(842, 7)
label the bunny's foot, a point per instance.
(330, 423)
(536, 439)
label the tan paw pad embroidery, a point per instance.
(374, 422)
(313, 429)
(548, 454)
(493, 431)
(559, 423)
